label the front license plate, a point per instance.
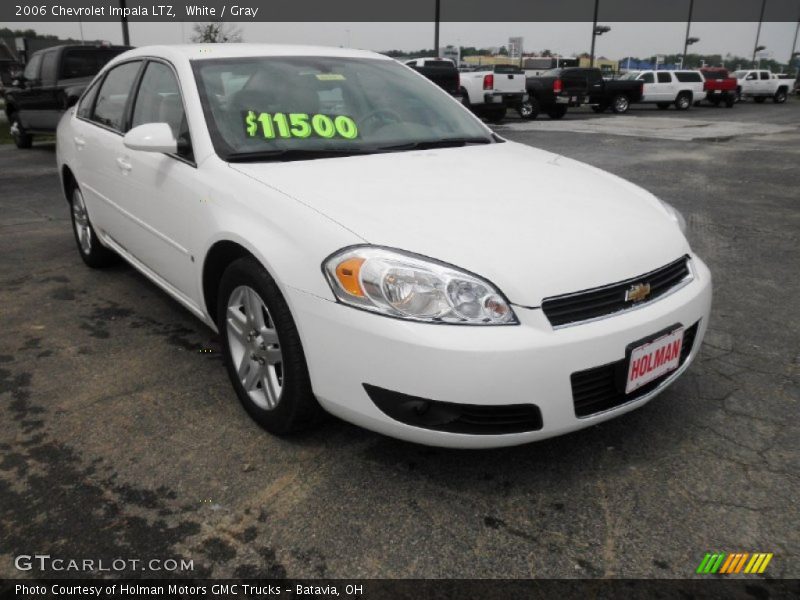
(653, 359)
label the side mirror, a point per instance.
(151, 137)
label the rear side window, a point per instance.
(764, 75)
(664, 78)
(86, 103)
(688, 77)
(112, 98)
(49, 67)
(716, 74)
(31, 72)
(647, 78)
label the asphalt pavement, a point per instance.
(120, 435)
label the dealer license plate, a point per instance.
(653, 359)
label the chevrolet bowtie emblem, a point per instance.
(637, 292)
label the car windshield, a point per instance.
(288, 108)
(630, 76)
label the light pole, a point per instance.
(689, 42)
(794, 43)
(758, 31)
(436, 28)
(686, 41)
(757, 50)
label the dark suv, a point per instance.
(53, 81)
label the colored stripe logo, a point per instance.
(734, 562)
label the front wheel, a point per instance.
(262, 350)
(620, 104)
(93, 253)
(22, 139)
(779, 97)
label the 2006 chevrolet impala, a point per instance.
(315, 206)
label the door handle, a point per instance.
(79, 142)
(123, 164)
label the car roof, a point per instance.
(195, 52)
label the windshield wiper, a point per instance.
(287, 154)
(441, 143)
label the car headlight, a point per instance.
(675, 215)
(398, 284)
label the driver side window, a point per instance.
(159, 101)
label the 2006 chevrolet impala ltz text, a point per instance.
(315, 206)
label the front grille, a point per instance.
(601, 388)
(598, 302)
(475, 419)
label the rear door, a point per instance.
(104, 174)
(666, 90)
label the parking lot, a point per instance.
(121, 436)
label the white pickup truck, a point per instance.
(760, 85)
(490, 90)
(663, 88)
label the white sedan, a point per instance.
(326, 211)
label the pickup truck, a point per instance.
(53, 80)
(665, 88)
(760, 85)
(440, 71)
(490, 90)
(719, 86)
(555, 90)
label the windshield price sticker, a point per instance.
(299, 125)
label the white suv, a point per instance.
(760, 85)
(662, 88)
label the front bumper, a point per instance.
(501, 365)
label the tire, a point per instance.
(495, 115)
(525, 110)
(465, 99)
(620, 104)
(557, 112)
(759, 99)
(662, 105)
(779, 97)
(683, 101)
(260, 341)
(92, 251)
(730, 100)
(535, 109)
(22, 140)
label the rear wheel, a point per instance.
(557, 112)
(620, 104)
(22, 139)
(683, 101)
(730, 100)
(779, 97)
(262, 350)
(760, 99)
(93, 253)
(529, 109)
(662, 105)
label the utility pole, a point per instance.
(436, 27)
(126, 36)
(758, 31)
(594, 33)
(794, 44)
(688, 27)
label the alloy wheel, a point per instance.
(80, 220)
(254, 347)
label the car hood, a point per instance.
(534, 223)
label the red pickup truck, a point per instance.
(719, 86)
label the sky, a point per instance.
(624, 39)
